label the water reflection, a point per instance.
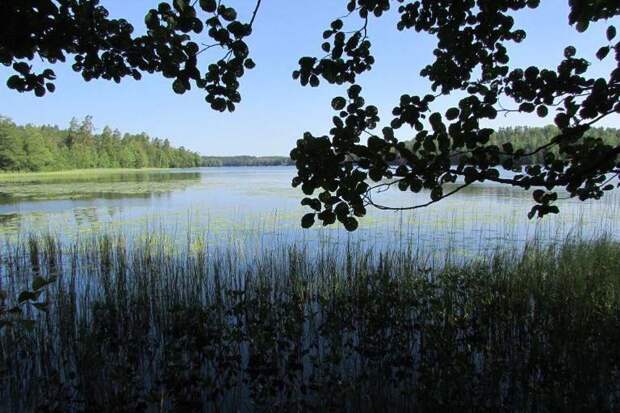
(109, 185)
(258, 207)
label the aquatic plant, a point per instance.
(150, 326)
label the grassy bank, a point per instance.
(150, 327)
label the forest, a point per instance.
(30, 148)
(530, 138)
(246, 160)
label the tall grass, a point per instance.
(150, 327)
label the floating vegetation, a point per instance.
(90, 184)
(146, 325)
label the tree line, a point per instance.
(50, 148)
(246, 160)
(529, 138)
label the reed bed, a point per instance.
(148, 326)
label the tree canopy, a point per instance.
(340, 172)
(50, 148)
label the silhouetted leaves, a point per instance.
(471, 40)
(307, 221)
(107, 48)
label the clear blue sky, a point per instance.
(276, 110)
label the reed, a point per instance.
(147, 326)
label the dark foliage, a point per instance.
(54, 30)
(473, 36)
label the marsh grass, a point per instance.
(152, 326)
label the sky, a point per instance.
(275, 110)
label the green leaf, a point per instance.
(611, 33)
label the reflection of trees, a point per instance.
(11, 221)
(115, 186)
(114, 177)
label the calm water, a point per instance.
(257, 206)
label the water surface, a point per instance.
(257, 206)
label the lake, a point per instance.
(256, 206)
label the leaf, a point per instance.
(337, 24)
(602, 52)
(228, 13)
(26, 296)
(22, 68)
(526, 107)
(582, 26)
(307, 220)
(452, 113)
(354, 91)
(208, 5)
(180, 5)
(542, 111)
(338, 103)
(14, 82)
(611, 33)
(538, 194)
(249, 64)
(151, 20)
(570, 51)
(49, 74)
(350, 224)
(178, 87)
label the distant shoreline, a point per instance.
(246, 160)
